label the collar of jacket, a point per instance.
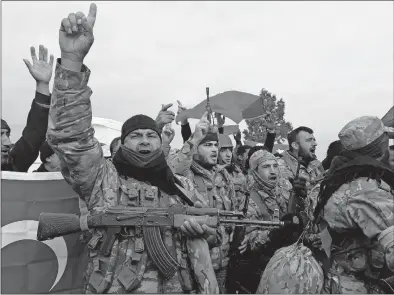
(209, 174)
(292, 162)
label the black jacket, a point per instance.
(26, 149)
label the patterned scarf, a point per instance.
(262, 185)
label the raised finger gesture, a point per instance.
(202, 128)
(41, 69)
(165, 116)
(76, 34)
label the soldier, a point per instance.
(21, 156)
(301, 159)
(226, 159)
(355, 207)
(268, 202)
(197, 160)
(138, 175)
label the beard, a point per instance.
(205, 161)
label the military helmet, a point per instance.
(292, 270)
(225, 141)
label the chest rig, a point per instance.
(137, 252)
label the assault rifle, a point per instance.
(51, 225)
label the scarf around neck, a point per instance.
(261, 184)
(151, 168)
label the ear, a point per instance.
(295, 146)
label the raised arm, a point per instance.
(70, 132)
(181, 163)
(26, 149)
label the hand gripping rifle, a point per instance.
(51, 225)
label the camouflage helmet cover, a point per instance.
(361, 131)
(292, 270)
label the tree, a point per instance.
(274, 112)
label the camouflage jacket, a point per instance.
(288, 168)
(213, 188)
(95, 179)
(262, 206)
(358, 214)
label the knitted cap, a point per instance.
(4, 125)
(138, 122)
(211, 136)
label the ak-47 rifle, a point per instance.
(51, 225)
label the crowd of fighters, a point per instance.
(344, 203)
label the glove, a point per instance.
(299, 186)
(286, 235)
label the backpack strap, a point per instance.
(254, 195)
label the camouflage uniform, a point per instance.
(96, 180)
(262, 206)
(360, 216)
(215, 189)
(288, 168)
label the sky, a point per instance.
(329, 61)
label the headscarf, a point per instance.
(255, 160)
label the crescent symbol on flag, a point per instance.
(27, 230)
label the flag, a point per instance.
(229, 103)
(27, 265)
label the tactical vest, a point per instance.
(215, 194)
(129, 267)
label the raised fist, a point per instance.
(41, 70)
(76, 34)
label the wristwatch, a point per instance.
(187, 147)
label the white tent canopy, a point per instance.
(105, 131)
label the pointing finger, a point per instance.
(205, 116)
(179, 103)
(33, 54)
(92, 15)
(166, 107)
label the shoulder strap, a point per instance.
(254, 195)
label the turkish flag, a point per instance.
(27, 265)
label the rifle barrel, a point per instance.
(253, 222)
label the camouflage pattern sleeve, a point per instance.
(256, 237)
(181, 162)
(70, 132)
(166, 149)
(362, 204)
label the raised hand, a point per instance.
(182, 108)
(201, 130)
(41, 69)
(76, 34)
(168, 135)
(165, 116)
